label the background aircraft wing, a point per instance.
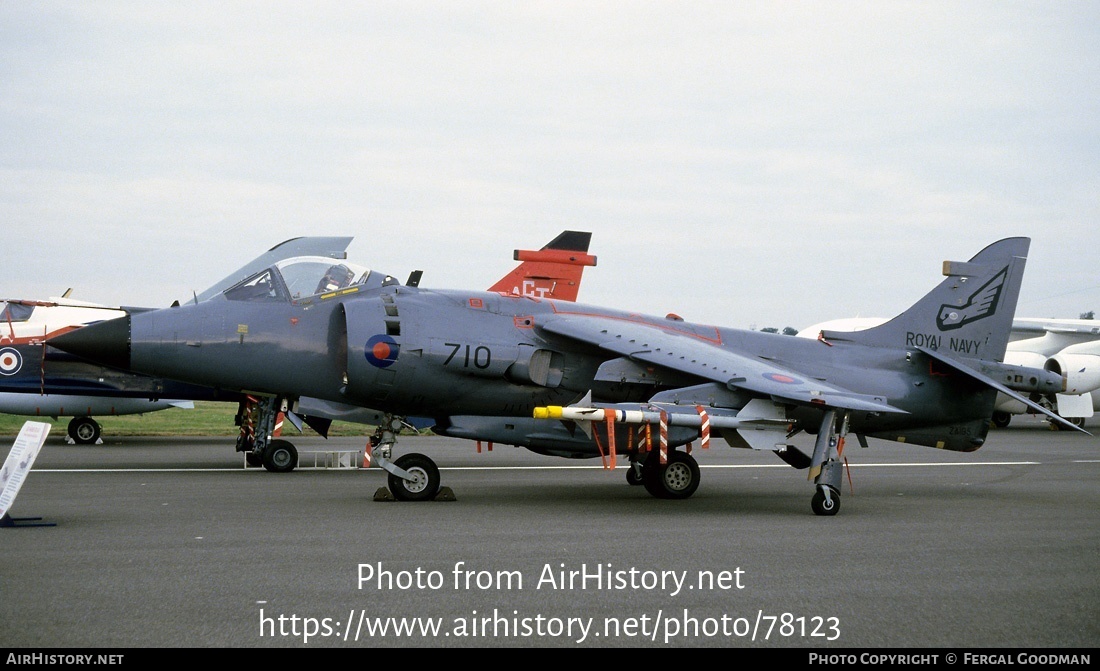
(1085, 327)
(691, 353)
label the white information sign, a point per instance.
(30, 440)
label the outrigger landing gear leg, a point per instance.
(826, 467)
(412, 477)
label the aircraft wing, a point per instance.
(1084, 327)
(706, 358)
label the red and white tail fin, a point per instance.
(551, 272)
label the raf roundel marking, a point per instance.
(10, 361)
(780, 378)
(381, 351)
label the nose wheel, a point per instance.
(280, 456)
(260, 420)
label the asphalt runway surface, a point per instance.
(172, 542)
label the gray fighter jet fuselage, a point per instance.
(486, 364)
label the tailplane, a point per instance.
(969, 315)
(551, 272)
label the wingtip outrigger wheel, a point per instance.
(826, 501)
(826, 468)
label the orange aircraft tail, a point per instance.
(551, 272)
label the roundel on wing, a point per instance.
(382, 351)
(10, 361)
(781, 379)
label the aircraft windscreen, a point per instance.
(308, 276)
(261, 287)
(15, 312)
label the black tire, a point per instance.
(244, 444)
(678, 478)
(1079, 422)
(824, 507)
(1001, 419)
(425, 484)
(633, 478)
(84, 430)
(253, 459)
(280, 456)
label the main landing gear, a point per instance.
(412, 477)
(677, 478)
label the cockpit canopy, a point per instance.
(15, 312)
(301, 277)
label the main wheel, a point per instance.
(425, 483)
(1079, 422)
(253, 459)
(678, 478)
(84, 430)
(280, 456)
(825, 506)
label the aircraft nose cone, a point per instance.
(106, 343)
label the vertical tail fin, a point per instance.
(551, 272)
(968, 315)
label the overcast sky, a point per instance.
(747, 164)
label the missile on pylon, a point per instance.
(760, 424)
(680, 416)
